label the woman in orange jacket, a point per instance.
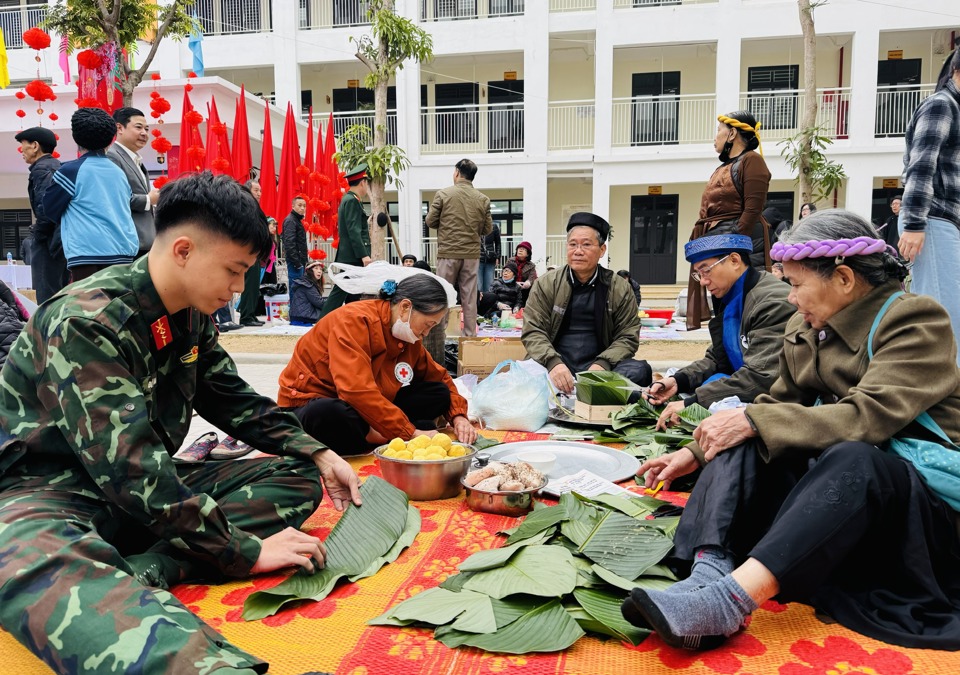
(361, 375)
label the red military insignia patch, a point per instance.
(191, 356)
(162, 335)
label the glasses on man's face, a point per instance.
(586, 247)
(705, 271)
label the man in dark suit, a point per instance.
(132, 136)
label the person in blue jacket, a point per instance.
(90, 196)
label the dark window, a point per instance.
(506, 7)
(773, 110)
(457, 114)
(505, 115)
(14, 228)
(898, 95)
(656, 108)
(653, 238)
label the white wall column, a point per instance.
(536, 80)
(863, 86)
(603, 80)
(408, 139)
(728, 73)
(286, 65)
(534, 186)
(859, 188)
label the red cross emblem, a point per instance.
(403, 373)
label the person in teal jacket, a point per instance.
(354, 248)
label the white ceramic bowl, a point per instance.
(539, 460)
(653, 323)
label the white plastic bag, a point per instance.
(514, 399)
(360, 280)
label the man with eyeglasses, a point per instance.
(746, 333)
(582, 316)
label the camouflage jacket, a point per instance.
(100, 388)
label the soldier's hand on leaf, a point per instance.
(288, 548)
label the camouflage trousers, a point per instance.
(66, 591)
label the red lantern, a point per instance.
(154, 94)
(161, 145)
(89, 59)
(188, 87)
(20, 95)
(221, 164)
(161, 181)
(323, 206)
(324, 179)
(191, 74)
(36, 38)
(318, 254)
(160, 105)
(193, 117)
(219, 128)
(302, 172)
(21, 113)
(156, 133)
(155, 76)
(87, 103)
(154, 114)
(39, 91)
(55, 154)
(314, 204)
(54, 117)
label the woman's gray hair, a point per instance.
(423, 290)
(876, 268)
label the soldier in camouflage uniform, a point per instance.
(96, 396)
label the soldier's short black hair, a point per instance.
(217, 204)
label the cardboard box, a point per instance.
(595, 413)
(480, 356)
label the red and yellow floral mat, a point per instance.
(332, 635)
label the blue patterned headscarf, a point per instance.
(717, 246)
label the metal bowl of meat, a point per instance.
(503, 489)
(426, 479)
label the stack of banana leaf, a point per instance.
(635, 425)
(563, 571)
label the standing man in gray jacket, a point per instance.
(461, 216)
(132, 136)
(746, 333)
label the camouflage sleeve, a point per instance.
(102, 412)
(225, 400)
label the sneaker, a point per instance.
(230, 448)
(198, 450)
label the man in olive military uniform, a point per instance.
(96, 519)
(354, 248)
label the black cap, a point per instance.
(584, 219)
(93, 128)
(45, 137)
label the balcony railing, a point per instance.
(15, 20)
(344, 120)
(230, 17)
(333, 13)
(572, 5)
(664, 120)
(570, 125)
(453, 10)
(457, 129)
(629, 4)
(779, 111)
(895, 107)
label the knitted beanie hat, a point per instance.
(92, 128)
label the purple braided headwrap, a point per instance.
(827, 248)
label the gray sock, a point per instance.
(686, 619)
(710, 564)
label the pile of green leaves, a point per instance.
(563, 571)
(603, 387)
(364, 539)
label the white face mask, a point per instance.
(402, 330)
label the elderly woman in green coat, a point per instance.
(814, 493)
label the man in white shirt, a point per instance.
(132, 136)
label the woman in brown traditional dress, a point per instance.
(733, 199)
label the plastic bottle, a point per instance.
(9, 258)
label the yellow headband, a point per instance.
(743, 126)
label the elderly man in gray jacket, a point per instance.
(746, 333)
(583, 316)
